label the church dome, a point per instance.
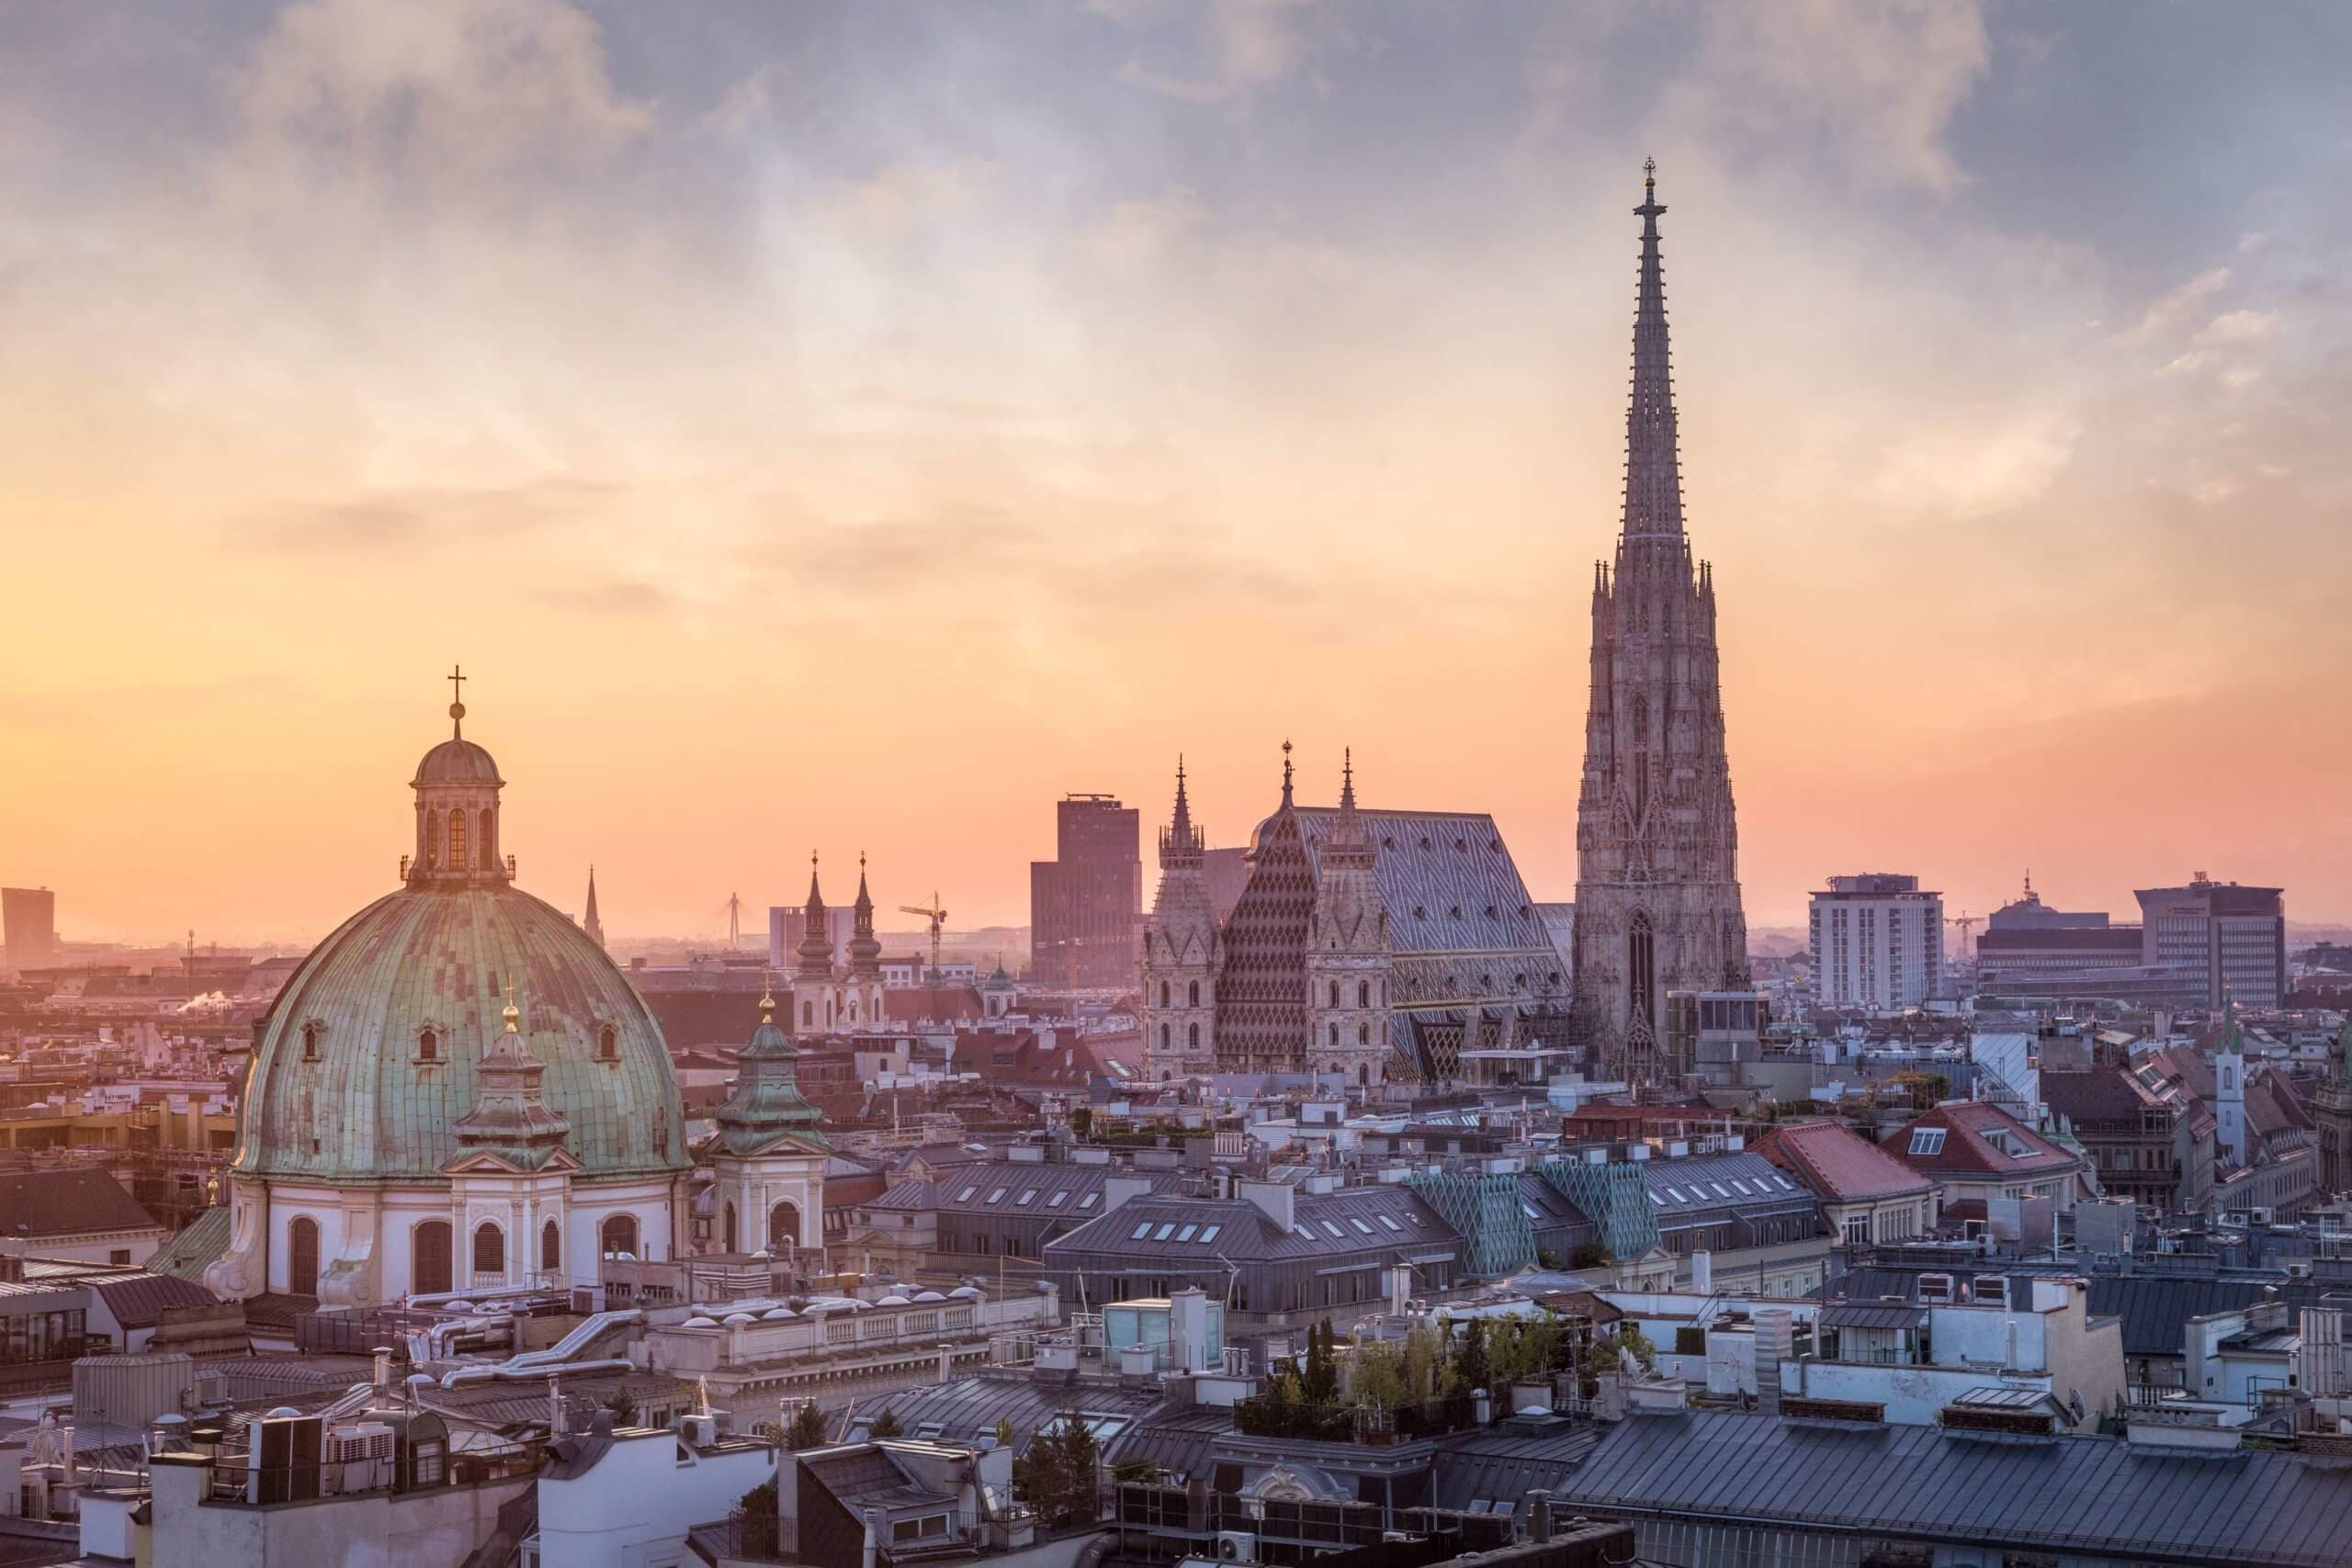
(371, 1055)
(456, 760)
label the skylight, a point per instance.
(1721, 1190)
(1660, 1202)
(1186, 1233)
(998, 1196)
(1056, 1200)
(1360, 1225)
(965, 1195)
(1208, 1234)
(1673, 1193)
(1028, 1196)
(1088, 1201)
(1392, 1224)
(1304, 1234)
(1337, 1234)
(1742, 1188)
(1140, 1232)
(1529, 1209)
(1165, 1231)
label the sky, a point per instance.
(849, 426)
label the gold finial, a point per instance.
(1650, 174)
(514, 1015)
(768, 996)
(456, 701)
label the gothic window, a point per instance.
(618, 1234)
(1192, 1036)
(490, 1249)
(429, 1257)
(1163, 993)
(1163, 1037)
(310, 1043)
(550, 1246)
(1335, 993)
(1640, 971)
(1364, 1035)
(609, 1043)
(303, 1256)
(1335, 1034)
(1363, 993)
(458, 861)
(1192, 994)
(428, 1045)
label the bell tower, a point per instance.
(1350, 955)
(1181, 955)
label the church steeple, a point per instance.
(457, 833)
(1180, 841)
(766, 1102)
(864, 949)
(1653, 471)
(815, 941)
(589, 922)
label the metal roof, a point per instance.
(1500, 1466)
(2098, 1496)
(1383, 1221)
(969, 1408)
(1863, 1315)
(1711, 1185)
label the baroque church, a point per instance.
(1371, 946)
(1657, 879)
(458, 1091)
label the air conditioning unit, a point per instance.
(1236, 1546)
(700, 1431)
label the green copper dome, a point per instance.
(376, 1100)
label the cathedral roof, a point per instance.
(372, 1106)
(1449, 882)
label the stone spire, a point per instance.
(816, 942)
(766, 1102)
(864, 949)
(1349, 846)
(511, 1117)
(1287, 800)
(1181, 839)
(589, 922)
(1653, 471)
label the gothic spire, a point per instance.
(815, 948)
(1180, 825)
(1653, 478)
(1348, 779)
(589, 921)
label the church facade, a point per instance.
(1657, 881)
(1367, 945)
(459, 1091)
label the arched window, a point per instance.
(807, 1014)
(429, 1258)
(1192, 1036)
(550, 1246)
(490, 1249)
(310, 1043)
(486, 848)
(1364, 1035)
(730, 1228)
(1163, 1037)
(609, 1043)
(783, 1226)
(303, 1256)
(1192, 994)
(458, 861)
(1335, 993)
(1363, 1073)
(428, 1045)
(1335, 1034)
(1640, 967)
(1363, 993)
(619, 1234)
(432, 839)
(1163, 993)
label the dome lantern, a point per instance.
(457, 787)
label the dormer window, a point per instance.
(311, 1042)
(428, 1045)
(609, 1043)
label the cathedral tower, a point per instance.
(591, 923)
(864, 993)
(1181, 955)
(1657, 888)
(1349, 955)
(816, 999)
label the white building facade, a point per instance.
(1878, 943)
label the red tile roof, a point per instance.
(1974, 1133)
(1838, 1165)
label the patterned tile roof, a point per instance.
(1448, 882)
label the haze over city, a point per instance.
(851, 428)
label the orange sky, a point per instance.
(839, 429)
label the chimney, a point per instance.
(1188, 1326)
(1275, 1197)
(1773, 1343)
(1482, 1408)
(1118, 1189)
(1400, 1288)
(1539, 1516)
(383, 1372)
(946, 1352)
(872, 1530)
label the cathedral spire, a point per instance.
(815, 948)
(1180, 825)
(1348, 780)
(1653, 477)
(589, 921)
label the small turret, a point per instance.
(864, 949)
(815, 948)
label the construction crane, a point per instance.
(1967, 923)
(938, 918)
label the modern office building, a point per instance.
(2237, 935)
(28, 919)
(1878, 943)
(1085, 904)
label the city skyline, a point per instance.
(774, 426)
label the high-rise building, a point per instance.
(2238, 935)
(1657, 879)
(28, 921)
(1085, 904)
(1878, 943)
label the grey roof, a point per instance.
(1386, 1219)
(1497, 1464)
(72, 1199)
(1178, 1438)
(138, 1300)
(1453, 868)
(969, 1408)
(1873, 1314)
(2155, 1308)
(2058, 1494)
(1709, 1186)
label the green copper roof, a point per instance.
(766, 1102)
(371, 1107)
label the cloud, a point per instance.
(1969, 473)
(432, 94)
(1875, 83)
(1250, 44)
(905, 197)
(2237, 327)
(2170, 308)
(1138, 234)
(414, 516)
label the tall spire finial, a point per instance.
(1180, 827)
(514, 1015)
(1348, 778)
(1286, 773)
(1650, 174)
(1653, 471)
(456, 702)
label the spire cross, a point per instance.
(456, 701)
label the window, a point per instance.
(457, 841)
(428, 1045)
(1163, 993)
(487, 847)
(1089, 1201)
(609, 1043)
(1140, 1232)
(1186, 1233)
(1858, 1230)
(1163, 1037)
(1165, 1231)
(1337, 1234)
(1639, 966)
(429, 1258)
(1335, 993)
(1363, 993)
(1360, 1225)
(1056, 1200)
(1304, 1234)
(1529, 1209)
(1742, 1188)
(996, 1195)
(618, 1234)
(1390, 1223)
(1208, 1234)
(1721, 1190)
(965, 1195)
(1192, 994)
(1926, 1140)
(301, 1255)
(1191, 1036)
(490, 1249)
(310, 1043)
(1028, 1196)
(551, 1241)
(1676, 1194)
